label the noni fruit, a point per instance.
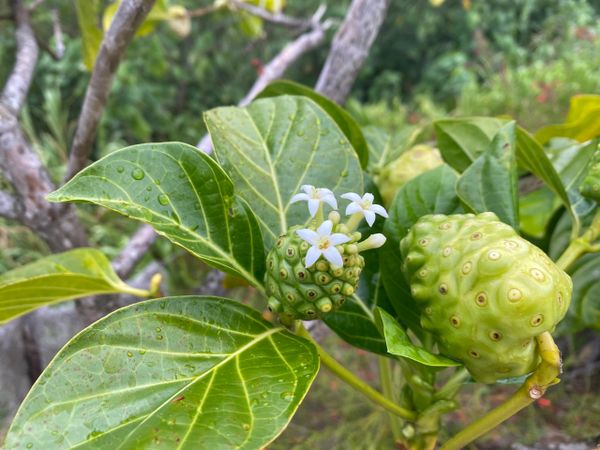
(484, 292)
(407, 166)
(297, 292)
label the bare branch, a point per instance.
(276, 68)
(134, 251)
(17, 85)
(8, 206)
(350, 48)
(275, 18)
(58, 35)
(129, 16)
(203, 11)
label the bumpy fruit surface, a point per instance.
(407, 166)
(483, 291)
(297, 292)
(591, 184)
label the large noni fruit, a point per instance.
(484, 292)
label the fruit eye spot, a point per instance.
(283, 274)
(312, 294)
(494, 255)
(477, 235)
(423, 273)
(290, 298)
(537, 274)
(536, 320)
(473, 354)
(481, 299)
(279, 242)
(514, 294)
(290, 252)
(559, 298)
(428, 310)
(423, 242)
(455, 321)
(301, 274)
(466, 268)
(443, 288)
(310, 312)
(504, 369)
(495, 335)
(336, 288)
(510, 244)
(445, 226)
(270, 263)
(447, 251)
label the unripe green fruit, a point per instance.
(407, 166)
(484, 292)
(591, 184)
(297, 292)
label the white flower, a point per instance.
(365, 206)
(314, 197)
(323, 243)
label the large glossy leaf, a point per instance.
(582, 122)
(385, 147)
(490, 183)
(430, 193)
(184, 195)
(57, 278)
(274, 146)
(173, 373)
(399, 344)
(462, 140)
(345, 121)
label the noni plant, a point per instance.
(442, 286)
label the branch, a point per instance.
(275, 18)
(280, 63)
(17, 85)
(129, 16)
(134, 251)
(8, 206)
(350, 48)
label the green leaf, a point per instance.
(462, 140)
(399, 344)
(582, 121)
(91, 34)
(58, 278)
(430, 193)
(344, 120)
(385, 147)
(274, 146)
(182, 372)
(490, 183)
(353, 322)
(184, 195)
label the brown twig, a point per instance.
(134, 251)
(17, 85)
(350, 48)
(203, 11)
(8, 206)
(275, 18)
(129, 16)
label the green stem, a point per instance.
(454, 383)
(354, 221)
(581, 245)
(355, 382)
(385, 377)
(533, 389)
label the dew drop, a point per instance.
(120, 169)
(148, 188)
(300, 132)
(159, 337)
(129, 355)
(246, 426)
(162, 305)
(286, 395)
(137, 174)
(158, 329)
(163, 199)
(341, 142)
(29, 445)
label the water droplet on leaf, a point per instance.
(137, 174)
(163, 199)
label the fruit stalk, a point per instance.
(352, 380)
(581, 245)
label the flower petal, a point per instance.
(339, 238)
(353, 208)
(307, 188)
(313, 206)
(308, 235)
(325, 228)
(312, 255)
(333, 256)
(324, 191)
(368, 197)
(298, 197)
(330, 200)
(378, 209)
(369, 217)
(351, 196)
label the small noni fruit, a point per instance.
(590, 187)
(407, 166)
(297, 292)
(484, 292)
